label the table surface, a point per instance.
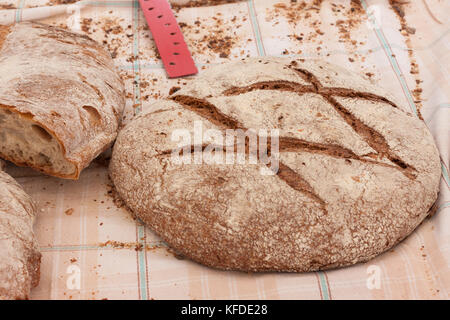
(93, 249)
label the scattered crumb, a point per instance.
(214, 35)
(129, 245)
(7, 6)
(203, 3)
(399, 8)
(53, 2)
(173, 90)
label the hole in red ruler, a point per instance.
(173, 33)
(172, 63)
(160, 16)
(176, 54)
(150, 9)
(176, 43)
(167, 24)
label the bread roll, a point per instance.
(61, 99)
(356, 174)
(19, 253)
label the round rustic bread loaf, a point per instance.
(356, 173)
(19, 252)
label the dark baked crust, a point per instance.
(350, 185)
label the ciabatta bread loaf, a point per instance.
(61, 99)
(19, 253)
(355, 175)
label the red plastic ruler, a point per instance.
(167, 35)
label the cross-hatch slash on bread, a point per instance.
(61, 99)
(356, 173)
(19, 254)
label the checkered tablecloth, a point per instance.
(93, 249)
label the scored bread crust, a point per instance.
(19, 253)
(65, 87)
(356, 175)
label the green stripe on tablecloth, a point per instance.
(19, 10)
(394, 64)
(137, 102)
(137, 85)
(323, 285)
(141, 259)
(445, 174)
(255, 25)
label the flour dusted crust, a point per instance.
(61, 99)
(356, 176)
(19, 253)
